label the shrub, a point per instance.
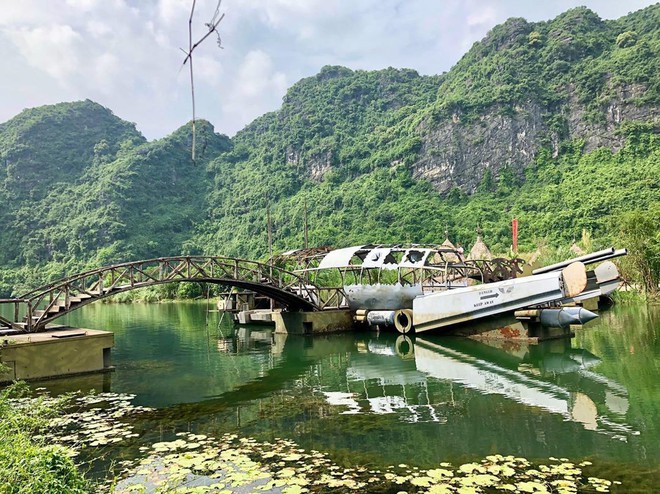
(27, 465)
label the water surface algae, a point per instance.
(197, 463)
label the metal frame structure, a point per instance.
(303, 280)
(433, 267)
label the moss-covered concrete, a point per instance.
(325, 321)
(54, 353)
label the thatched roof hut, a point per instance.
(480, 250)
(575, 249)
(447, 243)
(451, 257)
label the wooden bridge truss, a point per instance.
(39, 307)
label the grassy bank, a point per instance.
(27, 464)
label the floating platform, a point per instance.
(55, 353)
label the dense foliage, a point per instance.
(28, 465)
(561, 197)
(343, 142)
(81, 188)
(575, 55)
(98, 192)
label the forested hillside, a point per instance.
(527, 86)
(532, 121)
(555, 123)
(82, 188)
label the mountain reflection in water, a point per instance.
(384, 398)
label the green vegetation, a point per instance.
(110, 197)
(575, 55)
(560, 197)
(640, 231)
(80, 188)
(348, 158)
(246, 464)
(202, 463)
(29, 465)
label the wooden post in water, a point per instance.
(514, 233)
(270, 235)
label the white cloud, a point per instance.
(52, 48)
(107, 68)
(173, 11)
(85, 5)
(208, 70)
(486, 17)
(98, 29)
(126, 54)
(288, 14)
(256, 87)
(254, 73)
(13, 12)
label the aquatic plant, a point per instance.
(94, 420)
(198, 463)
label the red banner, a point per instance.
(514, 231)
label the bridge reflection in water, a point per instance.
(391, 398)
(390, 375)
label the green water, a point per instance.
(377, 399)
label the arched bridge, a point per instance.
(39, 307)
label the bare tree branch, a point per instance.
(212, 28)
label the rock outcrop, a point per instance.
(456, 153)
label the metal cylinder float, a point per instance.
(564, 317)
(381, 317)
(403, 320)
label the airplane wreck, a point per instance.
(416, 289)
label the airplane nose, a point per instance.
(585, 316)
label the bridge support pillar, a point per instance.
(326, 321)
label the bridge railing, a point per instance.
(172, 269)
(18, 303)
(433, 276)
(52, 300)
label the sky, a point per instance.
(127, 54)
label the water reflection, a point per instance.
(409, 377)
(418, 380)
(390, 398)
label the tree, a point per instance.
(626, 39)
(640, 233)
